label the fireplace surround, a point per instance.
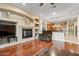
(26, 33)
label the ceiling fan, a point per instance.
(41, 4)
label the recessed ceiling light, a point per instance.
(24, 4)
(53, 13)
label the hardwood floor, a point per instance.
(25, 49)
(65, 49)
(74, 48)
(35, 47)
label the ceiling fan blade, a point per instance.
(52, 3)
(41, 4)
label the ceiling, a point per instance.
(62, 10)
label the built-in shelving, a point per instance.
(36, 23)
(15, 16)
(21, 20)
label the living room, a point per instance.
(35, 28)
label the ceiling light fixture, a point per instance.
(24, 4)
(53, 13)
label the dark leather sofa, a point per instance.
(45, 36)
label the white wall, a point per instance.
(19, 32)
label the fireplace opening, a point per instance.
(26, 33)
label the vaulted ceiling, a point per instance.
(54, 14)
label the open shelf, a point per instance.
(36, 22)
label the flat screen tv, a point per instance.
(26, 33)
(7, 30)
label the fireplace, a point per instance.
(26, 33)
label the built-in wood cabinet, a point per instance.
(56, 27)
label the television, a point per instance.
(7, 30)
(26, 33)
